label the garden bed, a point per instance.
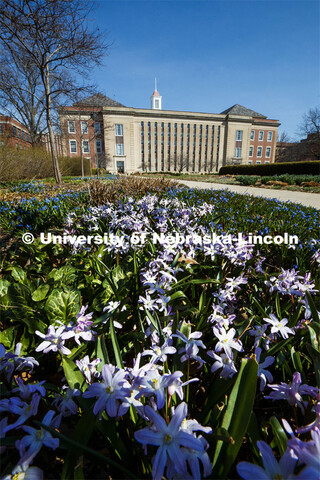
(173, 348)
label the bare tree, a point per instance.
(283, 137)
(310, 122)
(310, 128)
(21, 93)
(53, 37)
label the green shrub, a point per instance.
(294, 168)
(35, 162)
(247, 179)
(72, 166)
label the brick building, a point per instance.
(13, 133)
(129, 139)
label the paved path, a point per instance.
(304, 198)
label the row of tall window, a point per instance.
(73, 145)
(187, 157)
(261, 135)
(239, 134)
(84, 127)
(259, 153)
(17, 132)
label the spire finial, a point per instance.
(155, 84)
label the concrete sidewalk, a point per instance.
(304, 198)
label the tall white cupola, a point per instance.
(156, 98)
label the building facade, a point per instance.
(13, 133)
(126, 139)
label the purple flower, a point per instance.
(154, 384)
(114, 389)
(262, 373)
(53, 340)
(19, 407)
(89, 369)
(226, 341)
(30, 445)
(64, 403)
(176, 384)
(147, 303)
(272, 469)
(24, 473)
(292, 393)
(28, 389)
(159, 353)
(308, 453)
(224, 362)
(191, 348)
(169, 438)
(21, 362)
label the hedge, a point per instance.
(311, 168)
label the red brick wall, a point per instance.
(262, 143)
(14, 134)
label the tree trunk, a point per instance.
(56, 169)
(82, 166)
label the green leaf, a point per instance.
(279, 434)
(102, 352)
(7, 337)
(237, 416)
(73, 375)
(117, 275)
(313, 308)
(18, 274)
(40, 293)
(4, 284)
(63, 306)
(66, 275)
(115, 345)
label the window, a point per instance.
(73, 146)
(267, 161)
(84, 127)
(119, 130)
(17, 146)
(0, 127)
(259, 152)
(119, 148)
(156, 103)
(239, 135)
(238, 152)
(252, 135)
(258, 162)
(269, 136)
(268, 152)
(97, 127)
(250, 162)
(251, 152)
(71, 127)
(98, 146)
(19, 133)
(14, 129)
(260, 135)
(85, 146)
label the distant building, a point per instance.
(305, 150)
(13, 133)
(45, 141)
(130, 139)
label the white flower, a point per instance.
(279, 326)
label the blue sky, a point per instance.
(209, 55)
